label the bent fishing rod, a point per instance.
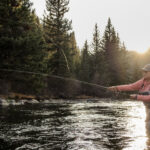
(116, 94)
(55, 76)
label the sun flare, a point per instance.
(140, 51)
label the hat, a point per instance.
(146, 67)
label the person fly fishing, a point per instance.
(142, 86)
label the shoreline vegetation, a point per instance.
(13, 91)
(19, 96)
(53, 87)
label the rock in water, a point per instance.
(3, 102)
(46, 101)
(33, 101)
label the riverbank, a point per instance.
(53, 87)
(19, 96)
(22, 99)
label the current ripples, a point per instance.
(95, 124)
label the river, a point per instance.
(89, 124)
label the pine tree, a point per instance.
(124, 64)
(57, 28)
(98, 57)
(84, 68)
(74, 58)
(135, 65)
(111, 49)
(21, 40)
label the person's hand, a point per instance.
(112, 88)
(133, 96)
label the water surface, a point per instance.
(90, 124)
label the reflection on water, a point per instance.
(75, 125)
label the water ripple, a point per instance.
(99, 124)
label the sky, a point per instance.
(130, 18)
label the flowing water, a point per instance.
(93, 124)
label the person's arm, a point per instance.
(145, 98)
(130, 87)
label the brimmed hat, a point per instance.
(146, 67)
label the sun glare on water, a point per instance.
(136, 127)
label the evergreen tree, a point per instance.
(74, 58)
(124, 65)
(21, 39)
(57, 28)
(97, 65)
(84, 68)
(96, 45)
(111, 49)
(135, 66)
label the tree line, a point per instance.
(49, 46)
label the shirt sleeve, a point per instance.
(131, 87)
(145, 98)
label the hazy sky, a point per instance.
(131, 19)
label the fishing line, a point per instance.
(54, 76)
(115, 94)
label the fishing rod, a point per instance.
(113, 94)
(55, 76)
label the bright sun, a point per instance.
(141, 51)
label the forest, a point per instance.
(49, 46)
